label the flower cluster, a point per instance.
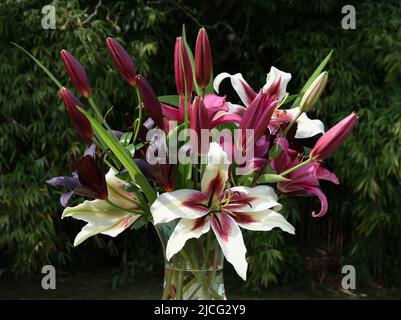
(212, 191)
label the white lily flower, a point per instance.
(307, 128)
(277, 75)
(111, 216)
(245, 91)
(223, 210)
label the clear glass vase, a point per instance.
(196, 272)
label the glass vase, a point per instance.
(195, 272)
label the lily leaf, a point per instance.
(51, 76)
(123, 156)
(271, 178)
(318, 70)
(173, 100)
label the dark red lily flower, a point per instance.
(76, 72)
(203, 60)
(332, 139)
(182, 69)
(92, 178)
(150, 101)
(122, 60)
(80, 123)
(87, 180)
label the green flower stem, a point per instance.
(99, 116)
(300, 165)
(167, 288)
(139, 122)
(292, 123)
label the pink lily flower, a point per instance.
(218, 111)
(305, 179)
(223, 210)
(306, 127)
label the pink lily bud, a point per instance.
(80, 123)
(198, 120)
(150, 101)
(122, 60)
(182, 68)
(332, 139)
(77, 73)
(203, 60)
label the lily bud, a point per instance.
(203, 60)
(80, 123)
(332, 139)
(198, 120)
(150, 101)
(312, 95)
(182, 68)
(77, 73)
(122, 60)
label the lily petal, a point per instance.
(216, 172)
(277, 75)
(117, 194)
(323, 201)
(229, 236)
(263, 221)
(259, 198)
(184, 203)
(306, 127)
(185, 230)
(102, 217)
(243, 89)
(233, 114)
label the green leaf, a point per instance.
(318, 70)
(246, 180)
(126, 138)
(173, 100)
(139, 223)
(271, 178)
(288, 99)
(51, 76)
(122, 155)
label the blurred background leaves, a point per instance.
(363, 226)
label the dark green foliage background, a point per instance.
(363, 226)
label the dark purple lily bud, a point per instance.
(198, 121)
(182, 69)
(80, 123)
(150, 101)
(92, 178)
(77, 73)
(203, 60)
(122, 60)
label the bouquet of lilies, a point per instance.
(194, 164)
